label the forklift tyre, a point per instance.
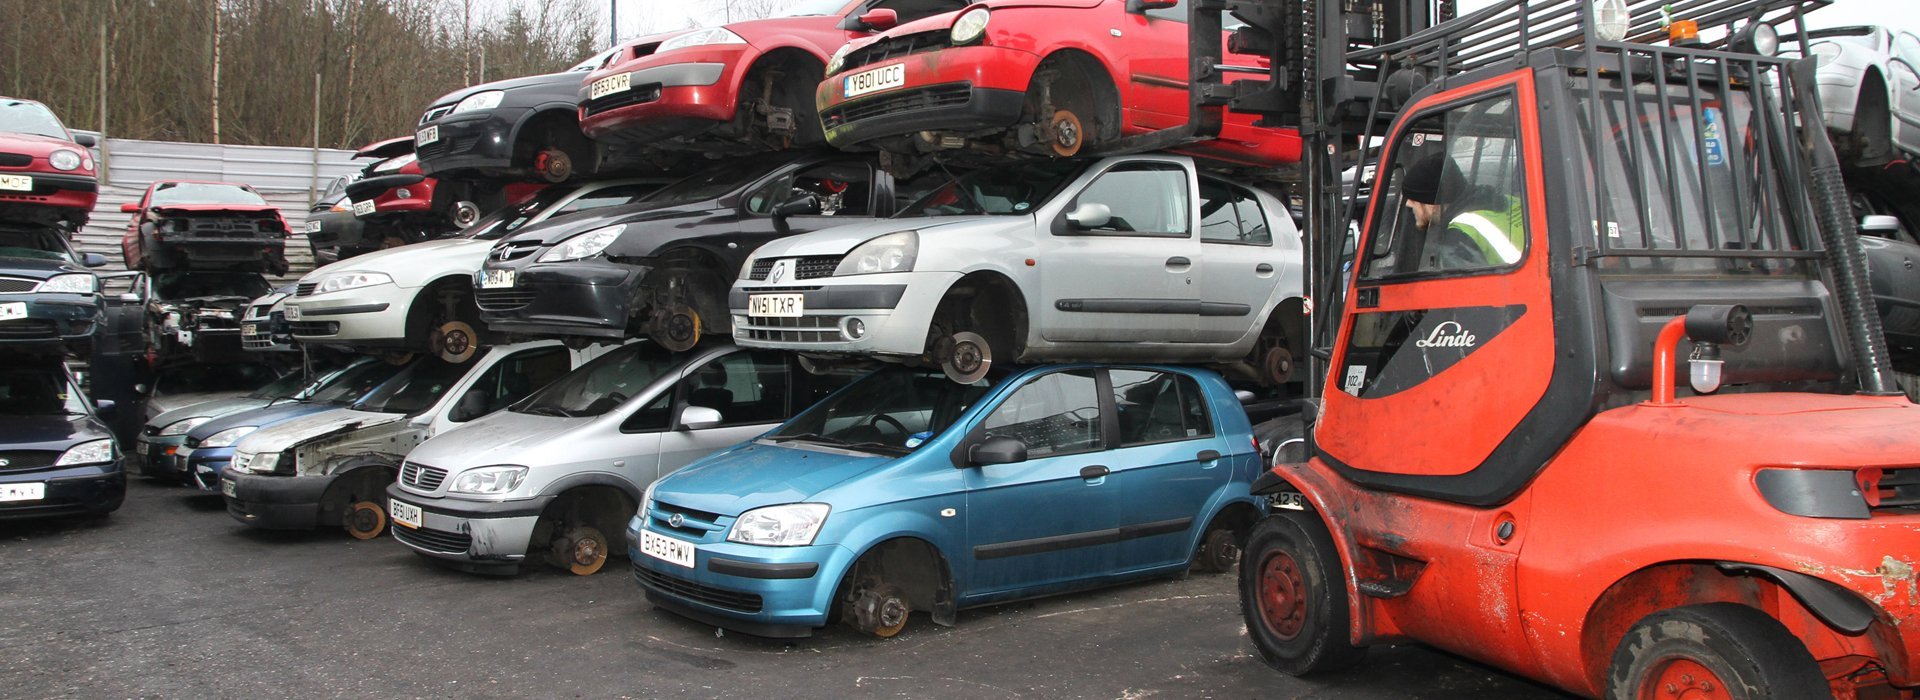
(1716, 650)
(1294, 598)
(365, 520)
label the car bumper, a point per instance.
(765, 591)
(205, 465)
(894, 310)
(158, 455)
(53, 322)
(54, 191)
(590, 297)
(275, 502)
(690, 90)
(484, 534)
(337, 228)
(960, 89)
(470, 141)
(98, 488)
(373, 314)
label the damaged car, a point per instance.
(57, 457)
(160, 439)
(390, 204)
(205, 449)
(331, 469)
(46, 172)
(183, 225)
(521, 128)
(195, 316)
(264, 326)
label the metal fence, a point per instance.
(287, 177)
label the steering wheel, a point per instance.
(878, 418)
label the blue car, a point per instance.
(209, 446)
(906, 492)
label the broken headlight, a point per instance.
(92, 452)
(488, 480)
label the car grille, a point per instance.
(421, 476)
(22, 460)
(805, 268)
(436, 112)
(262, 337)
(949, 95)
(804, 329)
(513, 250)
(436, 540)
(16, 285)
(305, 289)
(1899, 490)
(15, 160)
(446, 144)
(674, 585)
(503, 299)
(28, 328)
(227, 227)
(895, 47)
(702, 522)
(637, 95)
(303, 329)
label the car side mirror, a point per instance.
(699, 417)
(998, 449)
(1879, 225)
(1089, 215)
(801, 205)
(130, 208)
(1141, 6)
(86, 140)
(472, 405)
(105, 407)
(879, 20)
(140, 388)
(93, 259)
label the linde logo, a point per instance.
(1448, 334)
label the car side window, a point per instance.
(745, 387)
(1177, 13)
(1158, 407)
(1145, 199)
(1454, 194)
(1055, 414)
(1231, 214)
(651, 418)
(513, 378)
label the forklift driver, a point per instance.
(1483, 229)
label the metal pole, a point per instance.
(216, 70)
(613, 14)
(313, 183)
(105, 178)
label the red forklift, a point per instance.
(1569, 204)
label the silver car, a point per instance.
(553, 476)
(1869, 80)
(1125, 258)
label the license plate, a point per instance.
(882, 78)
(426, 136)
(1287, 500)
(363, 208)
(776, 305)
(228, 489)
(249, 329)
(313, 226)
(406, 514)
(618, 82)
(31, 492)
(495, 279)
(13, 310)
(292, 313)
(19, 183)
(140, 449)
(666, 549)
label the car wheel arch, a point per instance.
(369, 472)
(997, 281)
(420, 316)
(602, 501)
(1101, 70)
(553, 114)
(894, 556)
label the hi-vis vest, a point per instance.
(1500, 235)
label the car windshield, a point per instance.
(348, 385)
(1014, 189)
(812, 8)
(508, 219)
(281, 388)
(891, 411)
(38, 390)
(23, 117)
(183, 285)
(415, 388)
(32, 244)
(601, 385)
(202, 193)
(595, 61)
(198, 378)
(709, 184)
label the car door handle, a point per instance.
(1263, 268)
(1094, 472)
(1207, 455)
(1178, 262)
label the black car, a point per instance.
(520, 128)
(49, 301)
(662, 265)
(56, 455)
(196, 316)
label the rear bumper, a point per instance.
(680, 94)
(337, 228)
(580, 298)
(276, 502)
(90, 489)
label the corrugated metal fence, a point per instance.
(285, 176)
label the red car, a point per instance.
(1045, 77)
(182, 225)
(46, 173)
(746, 83)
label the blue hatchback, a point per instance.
(906, 492)
(209, 446)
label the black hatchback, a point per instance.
(56, 455)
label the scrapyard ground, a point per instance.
(171, 598)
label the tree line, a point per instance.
(379, 62)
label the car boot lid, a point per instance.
(761, 474)
(293, 433)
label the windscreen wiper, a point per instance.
(548, 411)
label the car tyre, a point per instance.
(1716, 650)
(1294, 598)
(1218, 552)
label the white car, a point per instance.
(1126, 258)
(420, 297)
(1869, 80)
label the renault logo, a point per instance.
(779, 271)
(676, 520)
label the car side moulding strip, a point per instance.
(1190, 307)
(1041, 545)
(754, 569)
(344, 310)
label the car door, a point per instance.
(1130, 278)
(749, 389)
(1239, 262)
(1167, 461)
(1155, 50)
(1905, 79)
(1048, 519)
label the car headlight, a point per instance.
(91, 452)
(262, 463)
(182, 427)
(893, 252)
(480, 100)
(969, 26)
(791, 525)
(78, 283)
(839, 59)
(226, 438)
(63, 159)
(488, 480)
(349, 280)
(584, 245)
(700, 37)
(398, 163)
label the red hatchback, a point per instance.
(181, 225)
(746, 84)
(1045, 77)
(46, 173)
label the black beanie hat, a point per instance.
(1428, 176)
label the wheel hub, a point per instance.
(586, 551)
(553, 165)
(966, 358)
(1683, 679)
(1283, 595)
(1065, 128)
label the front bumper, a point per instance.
(88, 489)
(894, 308)
(477, 535)
(591, 297)
(274, 502)
(764, 591)
(59, 191)
(54, 322)
(205, 465)
(158, 456)
(676, 94)
(470, 141)
(961, 89)
(337, 229)
(367, 315)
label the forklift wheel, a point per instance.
(553, 165)
(1217, 553)
(1716, 650)
(365, 520)
(1293, 597)
(966, 358)
(880, 611)
(454, 342)
(582, 551)
(677, 328)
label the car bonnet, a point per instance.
(52, 433)
(259, 418)
(503, 437)
(210, 409)
(754, 475)
(841, 240)
(293, 433)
